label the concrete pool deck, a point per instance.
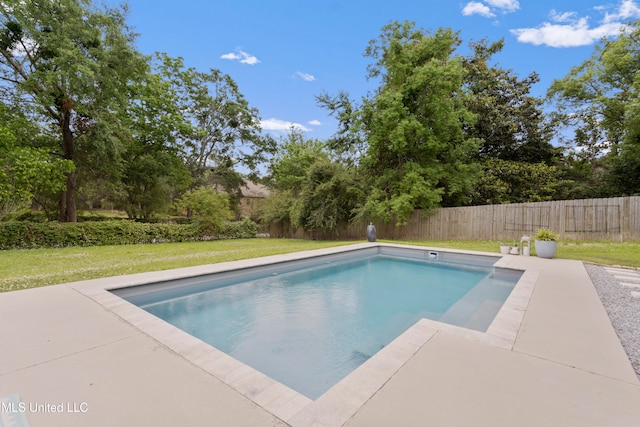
(75, 357)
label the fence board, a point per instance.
(614, 219)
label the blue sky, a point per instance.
(282, 53)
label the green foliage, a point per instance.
(583, 178)
(417, 155)
(225, 128)
(505, 181)
(21, 234)
(26, 215)
(227, 179)
(281, 206)
(515, 154)
(625, 173)
(546, 235)
(509, 120)
(29, 235)
(330, 195)
(312, 191)
(210, 209)
(599, 100)
(290, 165)
(152, 171)
(25, 171)
(243, 229)
(149, 180)
(349, 143)
(288, 171)
(72, 61)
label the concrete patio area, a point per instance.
(75, 355)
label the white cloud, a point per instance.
(563, 17)
(475, 8)
(627, 10)
(507, 5)
(571, 30)
(315, 122)
(281, 125)
(243, 57)
(304, 76)
(489, 9)
(567, 35)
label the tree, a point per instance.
(223, 130)
(288, 171)
(72, 63)
(152, 170)
(509, 120)
(599, 100)
(183, 120)
(330, 196)
(151, 180)
(515, 154)
(290, 165)
(349, 142)
(508, 181)
(210, 209)
(229, 132)
(24, 170)
(312, 191)
(417, 153)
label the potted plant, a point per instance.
(504, 248)
(546, 243)
(515, 250)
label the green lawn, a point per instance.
(601, 252)
(22, 269)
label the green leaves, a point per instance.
(312, 191)
(507, 181)
(510, 122)
(210, 209)
(414, 125)
(599, 101)
(72, 63)
(329, 196)
(26, 171)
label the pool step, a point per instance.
(397, 325)
(477, 309)
(484, 315)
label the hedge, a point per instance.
(32, 235)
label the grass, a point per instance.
(22, 269)
(597, 252)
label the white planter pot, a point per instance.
(504, 249)
(546, 249)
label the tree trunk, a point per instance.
(68, 198)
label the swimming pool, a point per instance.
(310, 322)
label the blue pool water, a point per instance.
(310, 328)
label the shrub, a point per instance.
(242, 229)
(33, 235)
(30, 235)
(210, 209)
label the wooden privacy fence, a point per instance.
(615, 219)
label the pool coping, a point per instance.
(344, 399)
